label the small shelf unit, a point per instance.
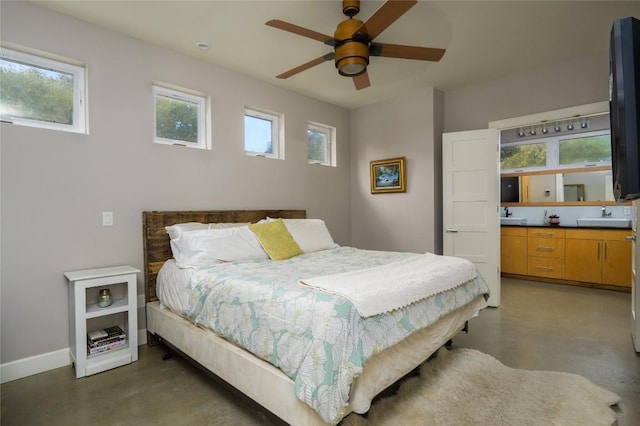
(85, 315)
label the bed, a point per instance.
(256, 375)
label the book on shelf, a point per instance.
(106, 348)
(105, 341)
(105, 336)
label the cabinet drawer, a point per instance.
(598, 234)
(513, 231)
(546, 247)
(545, 232)
(545, 267)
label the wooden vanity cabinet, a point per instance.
(546, 252)
(616, 267)
(513, 250)
(601, 256)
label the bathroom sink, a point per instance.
(513, 220)
(605, 222)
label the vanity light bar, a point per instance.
(557, 127)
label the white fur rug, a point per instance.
(467, 387)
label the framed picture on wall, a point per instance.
(388, 175)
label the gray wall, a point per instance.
(55, 185)
(401, 127)
(577, 82)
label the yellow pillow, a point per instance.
(276, 239)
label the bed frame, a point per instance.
(259, 380)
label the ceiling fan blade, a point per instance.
(305, 32)
(385, 16)
(406, 52)
(306, 66)
(361, 81)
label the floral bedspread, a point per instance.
(318, 339)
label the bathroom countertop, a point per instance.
(563, 226)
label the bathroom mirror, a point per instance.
(574, 192)
(578, 186)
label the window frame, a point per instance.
(548, 155)
(330, 135)
(553, 151)
(583, 136)
(185, 95)
(277, 132)
(60, 65)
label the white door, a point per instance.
(470, 180)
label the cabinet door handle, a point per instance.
(451, 230)
(605, 250)
(630, 238)
(544, 234)
(544, 268)
(598, 250)
(541, 248)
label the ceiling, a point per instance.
(485, 40)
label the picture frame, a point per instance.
(388, 175)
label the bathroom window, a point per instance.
(557, 152)
(587, 150)
(523, 155)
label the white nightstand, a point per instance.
(85, 315)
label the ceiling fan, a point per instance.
(353, 41)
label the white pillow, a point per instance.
(210, 246)
(310, 234)
(223, 225)
(176, 230)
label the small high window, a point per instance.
(41, 92)
(320, 141)
(263, 133)
(180, 118)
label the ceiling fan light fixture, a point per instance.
(351, 66)
(351, 54)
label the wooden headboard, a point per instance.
(156, 240)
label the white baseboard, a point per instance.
(25, 367)
(33, 365)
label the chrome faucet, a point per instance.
(508, 213)
(604, 212)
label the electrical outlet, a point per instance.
(107, 218)
(626, 211)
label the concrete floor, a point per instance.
(585, 331)
(539, 326)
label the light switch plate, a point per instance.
(107, 218)
(626, 210)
